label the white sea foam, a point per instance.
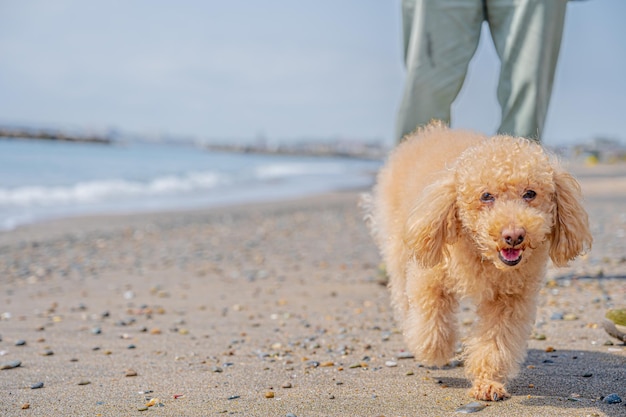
(284, 170)
(96, 191)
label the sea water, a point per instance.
(41, 180)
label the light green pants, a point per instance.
(440, 38)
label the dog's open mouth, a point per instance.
(510, 256)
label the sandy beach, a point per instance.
(275, 309)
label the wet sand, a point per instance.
(275, 310)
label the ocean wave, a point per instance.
(293, 169)
(100, 190)
(110, 190)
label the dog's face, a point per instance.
(506, 199)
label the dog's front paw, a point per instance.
(489, 391)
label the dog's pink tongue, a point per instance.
(511, 254)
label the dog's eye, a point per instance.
(529, 195)
(487, 198)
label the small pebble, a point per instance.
(25, 406)
(612, 399)
(84, 382)
(472, 407)
(47, 352)
(144, 408)
(286, 385)
(557, 316)
(153, 402)
(269, 394)
(234, 397)
(290, 415)
(37, 385)
(391, 364)
(405, 355)
(96, 330)
(10, 364)
(570, 317)
(130, 372)
(20, 342)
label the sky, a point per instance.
(278, 69)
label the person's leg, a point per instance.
(527, 37)
(408, 10)
(444, 36)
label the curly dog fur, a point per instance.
(457, 214)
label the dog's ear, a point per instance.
(432, 222)
(570, 235)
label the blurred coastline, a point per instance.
(598, 149)
(50, 134)
(73, 172)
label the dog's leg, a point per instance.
(495, 354)
(397, 272)
(430, 327)
(399, 300)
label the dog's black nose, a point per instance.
(513, 236)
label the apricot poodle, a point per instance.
(457, 214)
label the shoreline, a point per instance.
(268, 309)
(46, 227)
